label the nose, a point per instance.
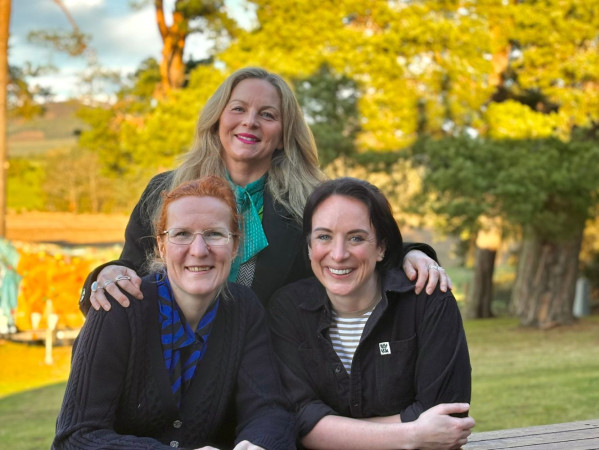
(198, 246)
(339, 250)
(249, 119)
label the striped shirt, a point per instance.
(345, 334)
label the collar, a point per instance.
(393, 281)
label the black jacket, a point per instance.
(412, 354)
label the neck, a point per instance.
(244, 174)
(192, 307)
(360, 302)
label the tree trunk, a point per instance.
(4, 34)
(172, 67)
(478, 304)
(480, 296)
(545, 285)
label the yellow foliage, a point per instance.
(50, 274)
(514, 120)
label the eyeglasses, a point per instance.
(183, 236)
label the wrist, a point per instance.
(410, 434)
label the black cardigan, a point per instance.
(119, 393)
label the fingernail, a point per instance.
(126, 303)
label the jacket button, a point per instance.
(174, 444)
(177, 424)
(356, 404)
(338, 369)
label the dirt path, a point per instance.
(66, 227)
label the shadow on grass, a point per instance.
(28, 418)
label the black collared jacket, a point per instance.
(412, 354)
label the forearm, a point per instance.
(396, 418)
(344, 433)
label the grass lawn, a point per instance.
(521, 377)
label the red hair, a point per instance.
(209, 186)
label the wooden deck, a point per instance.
(572, 436)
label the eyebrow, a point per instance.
(357, 230)
(245, 103)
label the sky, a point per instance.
(120, 36)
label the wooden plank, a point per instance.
(572, 435)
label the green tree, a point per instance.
(21, 98)
(545, 189)
(329, 102)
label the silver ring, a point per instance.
(122, 277)
(95, 286)
(106, 283)
(433, 267)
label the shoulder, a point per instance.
(161, 178)
(148, 289)
(241, 298)
(274, 208)
(396, 281)
(157, 184)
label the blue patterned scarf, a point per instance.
(181, 347)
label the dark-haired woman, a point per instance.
(367, 361)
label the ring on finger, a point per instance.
(433, 267)
(108, 282)
(121, 278)
(95, 286)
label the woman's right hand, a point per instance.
(110, 279)
(436, 429)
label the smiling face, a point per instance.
(250, 127)
(343, 250)
(197, 271)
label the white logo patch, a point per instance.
(384, 348)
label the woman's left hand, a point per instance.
(417, 263)
(247, 445)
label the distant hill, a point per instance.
(56, 128)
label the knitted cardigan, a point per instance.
(118, 394)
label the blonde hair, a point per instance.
(294, 171)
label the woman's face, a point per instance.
(197, 271)
(250, 127)
(343, 248)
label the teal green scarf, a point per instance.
(250, 204)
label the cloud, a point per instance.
(77, 5)
(129, 39)
(121, 37)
